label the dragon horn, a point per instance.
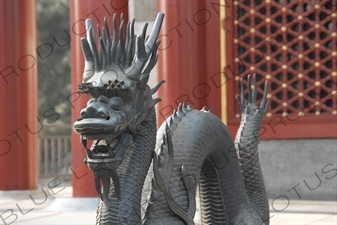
(114, 40)
(154, 33)
(89, 51)
(89, 65)
(144, 50)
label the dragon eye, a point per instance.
(84, 114)
(116, 103)
(101, 115)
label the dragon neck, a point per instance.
(136, 170)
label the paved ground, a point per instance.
(42, 207)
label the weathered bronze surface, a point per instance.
(193, 148)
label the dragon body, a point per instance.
(145, 176)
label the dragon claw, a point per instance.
(248, 107)
(264, 102)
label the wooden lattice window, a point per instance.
(293, 45)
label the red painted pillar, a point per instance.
(189, 56)
(18, 96)
(212, 56)
(82, 179)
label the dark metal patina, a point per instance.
(193, 148)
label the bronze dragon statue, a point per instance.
(142, 179)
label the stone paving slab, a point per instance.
(18, 208)
(303, 212)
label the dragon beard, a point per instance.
(104, 157)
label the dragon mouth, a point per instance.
(104, 149)
(104, 157)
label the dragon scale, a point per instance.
(191, 151)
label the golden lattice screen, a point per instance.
(293, 45)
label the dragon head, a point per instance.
(115, 80)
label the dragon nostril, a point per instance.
(101, 115)
(84, 115)
(92, 110)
